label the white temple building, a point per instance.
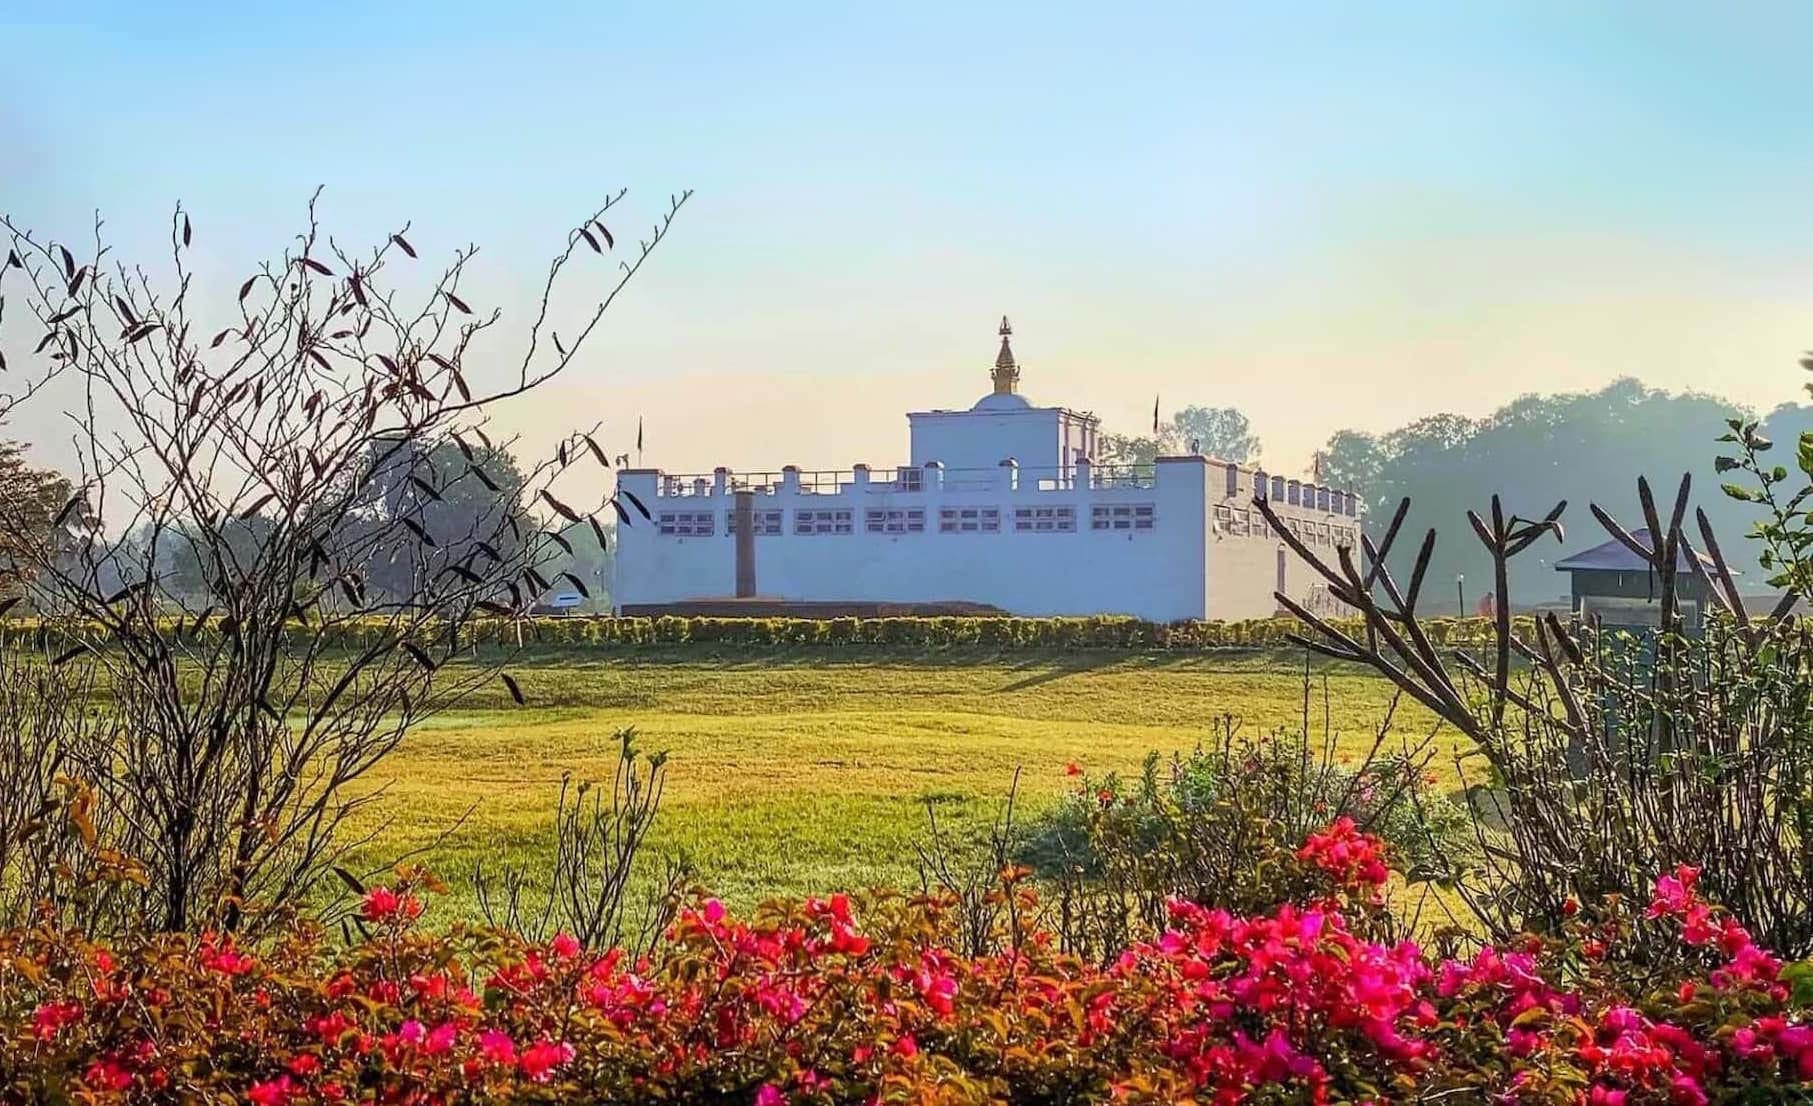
(1002, 506)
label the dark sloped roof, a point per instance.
(1612, 556)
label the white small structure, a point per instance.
(1001, 505)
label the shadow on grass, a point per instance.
(1045, 670)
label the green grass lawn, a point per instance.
(809, 772)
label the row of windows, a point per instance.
(765, 522)
(969, 520)
(1122, 516)
(687, 524)
(822, 522)
(951, 520)
(910, 521)
(1045, 520)
(1240, 522)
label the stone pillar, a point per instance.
(1010, 475)
(1083, 465)
(934, 476)
(790, 479)
(745, 527)
(859, 476)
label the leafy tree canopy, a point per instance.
(1583, 447)
(1217, 431)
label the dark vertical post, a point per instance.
(745, 516)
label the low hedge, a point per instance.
(994, 632)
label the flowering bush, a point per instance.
(828, 1001)
(1223, 825)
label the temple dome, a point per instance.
(1002, 401)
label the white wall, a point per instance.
(1182, 568)
(983, 439)
(1244, 554)
(1154, 574)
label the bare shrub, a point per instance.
(291, 458)
(1612, 755)
(980, 876)
(600, 837)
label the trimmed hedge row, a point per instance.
(1100, 632)
(946, 632)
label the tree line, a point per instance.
(1536, 450)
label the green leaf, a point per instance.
(1799, 978)
(1741, 493)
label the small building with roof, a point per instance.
(1611, 584)
(1002, 506)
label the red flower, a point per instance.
(1674, 892)
(304, 1064)
(107, 1075)
(1353, 858)
(541, 1058)
(50, 1018)
(383, 905)
(272, 1092)
(497, 1047)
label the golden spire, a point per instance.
(1006, 374)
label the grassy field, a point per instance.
(803, 773)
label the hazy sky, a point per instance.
(1328, 215)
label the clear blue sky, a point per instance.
(1326, 214)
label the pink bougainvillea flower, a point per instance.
(497, 1047)
(272, 1092)
(540, 1059)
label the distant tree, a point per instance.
(183, 569)
(590, 562)
(1126, 449)
(33, 521)
(455, 501)
(1353, 459)
(1536, 450)
(1217, 431)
